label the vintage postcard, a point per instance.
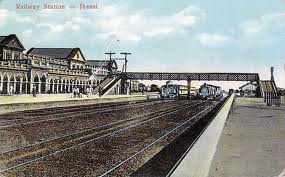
(165, 88)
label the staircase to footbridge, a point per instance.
(109, 86)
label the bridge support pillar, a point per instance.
(122, 91)
(259, 90)
(130, 87)
(123, 85)
(189, 88)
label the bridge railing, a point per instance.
(192, 76)
(271, 98)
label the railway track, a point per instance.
(113, 123)
(55, 110)
(175, 151)
(24, 157)
(32, 153)
(18, 119)
(27, 134)
(110, 172)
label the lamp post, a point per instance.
(272, 71)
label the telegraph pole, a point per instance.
(126, 61)
(110, 62)
(124, 68)
(110, 54)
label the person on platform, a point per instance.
(88, 92)
(34, 92)
(91, 91)
(142, 89)
(74, 92)
(78, 92)
(11, 90)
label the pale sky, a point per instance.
(162, 35)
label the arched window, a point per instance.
(12, 79)
(5, 84)
(36, 78)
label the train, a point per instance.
(171, 90)
(210, 92)
(205, 92)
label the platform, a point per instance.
(252, 142)
(198, 160)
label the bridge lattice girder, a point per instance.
(193, 76)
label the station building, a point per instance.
(48, 70)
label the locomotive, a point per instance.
(171, 90)
(208, 91)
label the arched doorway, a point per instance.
(36, 83)
(24, 85)
(63, 86)
(55, 86)
(50, 86)
(1, 84)
(59, 86)
(77, 83)
(12, 84)
(81, 86)
(29, 82)
(67, 86)
(43, 84)
(18, 85)
(94, 84)
(73, 85)
(5, 84)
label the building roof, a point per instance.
(59, 53)
(4, 40)
(2, 37)
(101, 63)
